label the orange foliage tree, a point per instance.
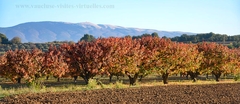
(55, 63)
(20, 64)
(217, 59)
(167, 59)
(190, 60)
(121, 56)
(117, 56)
(84, 58)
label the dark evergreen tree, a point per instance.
(4, 39)
(154, 34)
(87, 38)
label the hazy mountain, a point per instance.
(60, 31)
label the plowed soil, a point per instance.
(169, 94)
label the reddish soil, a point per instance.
(213, 94)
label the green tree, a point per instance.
(21, 47)
(146, 35)
(155, 34)
(14, 47)
(184, 37)
(164, 37)
(4, 39)
(16, 40)
(87, 38)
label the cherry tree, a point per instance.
(217, 58)
(55, 62)
(191, 60)
(25, 64)
(122, 56)
(84, 58)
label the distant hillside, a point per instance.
(61, 31)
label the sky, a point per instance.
(197, 16)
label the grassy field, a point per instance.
(8, 88)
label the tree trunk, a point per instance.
(133, 79)
(118, 77)
(110, 78)
(207, 75)
(217, 76)
(58, 79)
(47, 77)
(193, 75)
(165, 78)
(187, 76)
(181, 74)
(18, 80)
(86, 76)
(86, 79)
(75, 78)
(140, 79)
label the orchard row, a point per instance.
(113, 56)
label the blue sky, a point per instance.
(198, 16)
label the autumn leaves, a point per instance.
(132, 57)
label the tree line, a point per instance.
(231, 41)
(29, 46)
(132, 57)
(15, 43)
(4, 40)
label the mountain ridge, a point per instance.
(47, 31)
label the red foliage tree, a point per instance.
(133, 59)
(23, 64)
(148, 59)
(85, 58)
(234, 61)
(3, 61)
(55, 62)
(217, 59)
(122, 56)
(111, 59)
(190, 60)
(173, 58)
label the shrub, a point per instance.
(237, 77)
(92, 84)
(119, 84)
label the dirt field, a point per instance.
(214, 94)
